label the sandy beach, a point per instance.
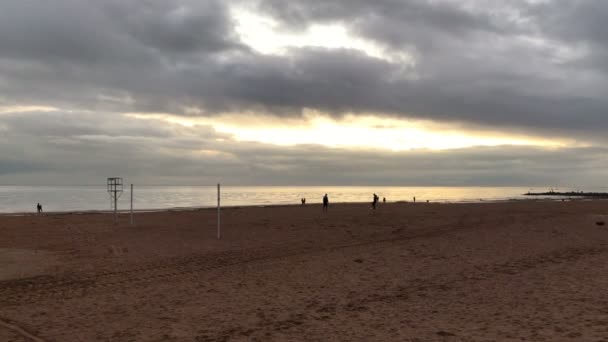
(516, 271)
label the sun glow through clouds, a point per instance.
(354, 132)
(264, 35)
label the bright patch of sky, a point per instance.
(355, 132)
(262, 33)
(25, 109)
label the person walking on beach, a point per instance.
(303, 201)
(39, 207)
(325, 202)
(375, 201)
(384, 200)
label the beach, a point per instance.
(499, 271)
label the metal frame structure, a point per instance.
(115, 187)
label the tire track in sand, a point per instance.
(28, 290)
(416, 287)
(18, 330)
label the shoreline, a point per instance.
(245, 206)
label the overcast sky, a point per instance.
(304, 92)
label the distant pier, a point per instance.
(570, 194)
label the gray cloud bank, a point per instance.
(523, 66)
(516, 64)
(84, 148)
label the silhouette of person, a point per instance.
(39, 207)
(383, 199)
(375, 201)
(325, 202)
(414, 199)
(303, 201)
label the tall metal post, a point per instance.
(115, 209)
(219, 232)
(131, 204)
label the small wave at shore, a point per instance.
(23, 199)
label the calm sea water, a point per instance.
(74, 198)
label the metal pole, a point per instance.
(115, 207)
(219, 233)
(131, 204)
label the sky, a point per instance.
(304, 92)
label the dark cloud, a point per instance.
(485, 65)
(413, 23)
(111, 31)
(176, 28)
(578, 21)
(70, 52)
(517, 66)
(335, 81)
(512, 65)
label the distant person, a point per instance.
(303, 201)
(384, 200)
(39, 208)
(414, 199)
(325, 202)
(375, 201)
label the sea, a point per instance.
(20, 199)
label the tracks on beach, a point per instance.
(362, 301)
(13, 327)
(28, 290)
(34, 289)
(62, 287)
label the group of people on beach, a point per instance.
(375, 201)
(325, 202)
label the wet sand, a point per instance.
(531, 271)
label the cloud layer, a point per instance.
(84, 148)
(528, 67)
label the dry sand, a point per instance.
(533, 271)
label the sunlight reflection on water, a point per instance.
(72, 198)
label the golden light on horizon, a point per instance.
(354, 132)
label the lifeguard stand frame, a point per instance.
(115, 190)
